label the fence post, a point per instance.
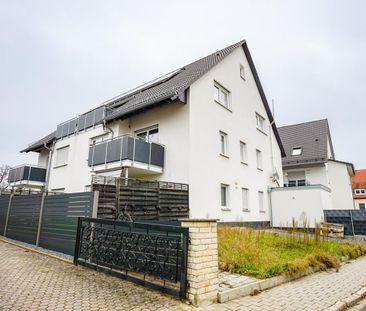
(40, 218)
(8, 213)
(202, 268)
(95, 204)
(353, 227)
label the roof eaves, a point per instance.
(263, 97)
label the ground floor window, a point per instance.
(224, 196)
(361, 206)
(261, 201)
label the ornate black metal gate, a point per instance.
(152, 255)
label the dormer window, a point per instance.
(296, 151)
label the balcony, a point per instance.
(297, 183)
(27, 175)
(127, 151)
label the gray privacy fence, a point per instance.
(49, 221)
(354, 221)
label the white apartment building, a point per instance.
(207, 124)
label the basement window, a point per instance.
(296, 151)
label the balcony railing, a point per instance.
(127, 149)
(297, 183)
(27, 173)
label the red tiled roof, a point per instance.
(359, 179)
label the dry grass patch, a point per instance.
(264, 254)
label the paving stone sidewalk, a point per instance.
(314, 292)
(30, 281)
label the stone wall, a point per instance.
(202, 270)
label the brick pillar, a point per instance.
(202, 270)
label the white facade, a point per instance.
(304, 205)
(209, 169)
(191, 136)
(333, 175)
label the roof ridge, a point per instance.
(305, 122)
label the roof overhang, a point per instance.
(263, 97)
(40, 144)
(350, 166)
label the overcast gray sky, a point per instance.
(60, 58)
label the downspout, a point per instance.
(105, 126)
(48, 165)
(274, 177)
(270, 206)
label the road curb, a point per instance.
(350, 301)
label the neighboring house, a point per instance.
(313, 179)
(359, 189)
(207, 124)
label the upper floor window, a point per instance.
(243, 152)
(296, 151)
(259, 159)
(58, 190)
(224, 144)
(222, 96)
(150, 134)
(62, 155)
(261, 123)
(296, 179)
(97, 139)
(360, 191)
(242, 72)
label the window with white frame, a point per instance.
(361, 206)
(296, 151)
(224, 195)
(360, 191)
(58, 190)
(242, 72)
(261, 123)
(261, 201)
(259, 159)
(149, 134)
(243, 153)
(62, 155)
(224, 144)
(222, 95)
(245, 199)
(99, 138)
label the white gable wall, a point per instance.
(208, 169)
(341, 186)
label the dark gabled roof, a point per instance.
(312, 137)
(39, 144)
(169, 89)
(174, 85)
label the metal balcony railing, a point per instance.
(27, 172)
(126, 148)
(297, 183)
